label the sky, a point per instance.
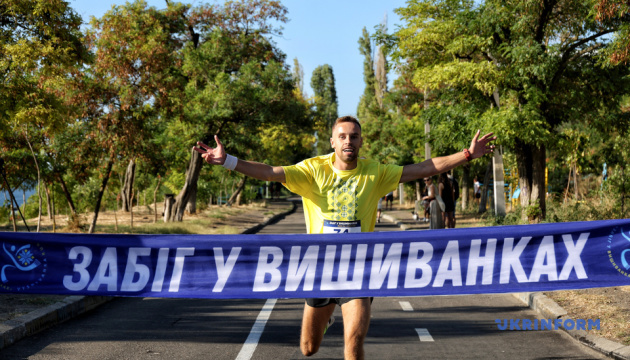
(318, 32)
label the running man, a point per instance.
(340, 193)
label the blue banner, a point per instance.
(413, 263)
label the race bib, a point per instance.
(342, 227)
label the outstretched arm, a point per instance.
(217, 156)
(478, 148)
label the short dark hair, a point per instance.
(344, 119)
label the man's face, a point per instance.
(346, 140)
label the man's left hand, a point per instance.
(480, 146)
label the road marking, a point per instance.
(254, 335)
(424, 334)
(406, 306)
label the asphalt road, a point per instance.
(445, 327)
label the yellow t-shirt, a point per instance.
(340, 195)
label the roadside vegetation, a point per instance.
(99, 120)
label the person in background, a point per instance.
(455, 186)
(446, 193)
(430, 196)
(389, 200)
(379, 209)
(477, 190)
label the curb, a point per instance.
(396, 222)
(272, 220)
(11, 331)
(551, 310)
(15, 329)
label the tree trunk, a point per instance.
(101, 191)
(155, 198)
(15, 225)
(418, 190)
(576, 188)
(465, 180)
(237, 192)
(39, 210)
(48, 201)
(524, 163)
(169, 203)
(189, 191)
(539, 191)
(531, 162)
(566, 191)
(191, 205)
(131, 211)
(39, 182)
(67, 194)
(623, 192)
(54, 217)
(127, 189)
(484, 191)
(115, 197)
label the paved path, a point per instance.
(448, 327)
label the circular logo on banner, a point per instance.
(22, 267)
(620, 258)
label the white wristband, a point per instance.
(230, 162)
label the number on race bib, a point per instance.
(342, 227)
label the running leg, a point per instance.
(313, 324)
(356, 321)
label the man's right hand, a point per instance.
(213, 156)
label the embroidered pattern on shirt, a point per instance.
(342, 199)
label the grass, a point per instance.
(614, 320)
(195, 227)
(214, 220)
(41, 301)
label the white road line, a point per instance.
(254, 335)
(424, 334)
(406, 305)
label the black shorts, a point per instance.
(321, 302)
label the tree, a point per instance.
(298, 76)
(323, 85)
(367, 99)
(383, 113)
(39, 42)
(121, 94)
(236, 83)
(380, 74)
(543, 58)
(616, 13)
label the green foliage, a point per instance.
(40, 43)
(175, 182)
(513, 217)
(533, 212)
(4, 214)
(146, 84)
(618, 183)
(237, 83)
(323, 85)
(616, 11)
(526, 70)
(368, 98)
